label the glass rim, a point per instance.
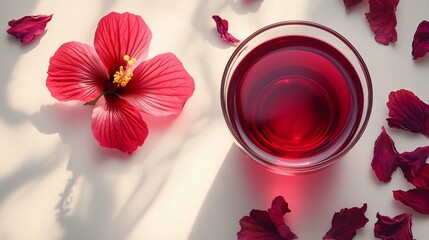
(367, 100)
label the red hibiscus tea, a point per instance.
(295, 97)
(295, 101)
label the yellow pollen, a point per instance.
(131, 61)
(123, 76)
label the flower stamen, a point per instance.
(124, 74)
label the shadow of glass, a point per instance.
(242, 185)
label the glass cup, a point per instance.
(296, 96)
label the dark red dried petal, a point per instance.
(382, 19)
(384, 161)
(279, 208)
(412, 162)
(351, 3)
(267, 225)
(417, 199)
(408, 112)
(26, 28)
(398, 227)
(346, 222)
(257, 225)
(421, 40)
(222, 29)
(422, 178)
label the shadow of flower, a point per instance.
(241, 181)
(90, 206)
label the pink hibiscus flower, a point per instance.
(115, 76)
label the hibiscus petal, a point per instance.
(267, 225)
(28, 27)
(257, 226)
(118, 35)
(160, 86)
(421, 40)
(412, 162)
(117, 124)
(346, 222)
(408, 112)
(351, 3)
(262, 218)
(76, 73)
(422, 178)
(384, 161)
(398, 227)
(417, 199)
(382, 19)
(279, 208)
(222, 29)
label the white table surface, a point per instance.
(188, 181)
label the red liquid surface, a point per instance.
(294, 97)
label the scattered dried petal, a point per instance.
(351, 3)
(222, 28)
(398, 227)
(421, 40)
(267, 225)
(279, 208)
(382, 19)
(412, 162)
(422, 178)
(384, 161)
(28, 27)
(417, 199)
(346, 222)
(257, 225)
(408, 112)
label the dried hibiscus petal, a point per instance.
(351, 3)
(398, 227)
(267, 225)
(412, 162)
(382, 19)
(408, 112)
(422, 178)
(417, 199)
(421, 40)
(346, 222)
(222, 29)
(384, 161)
(28, 27)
